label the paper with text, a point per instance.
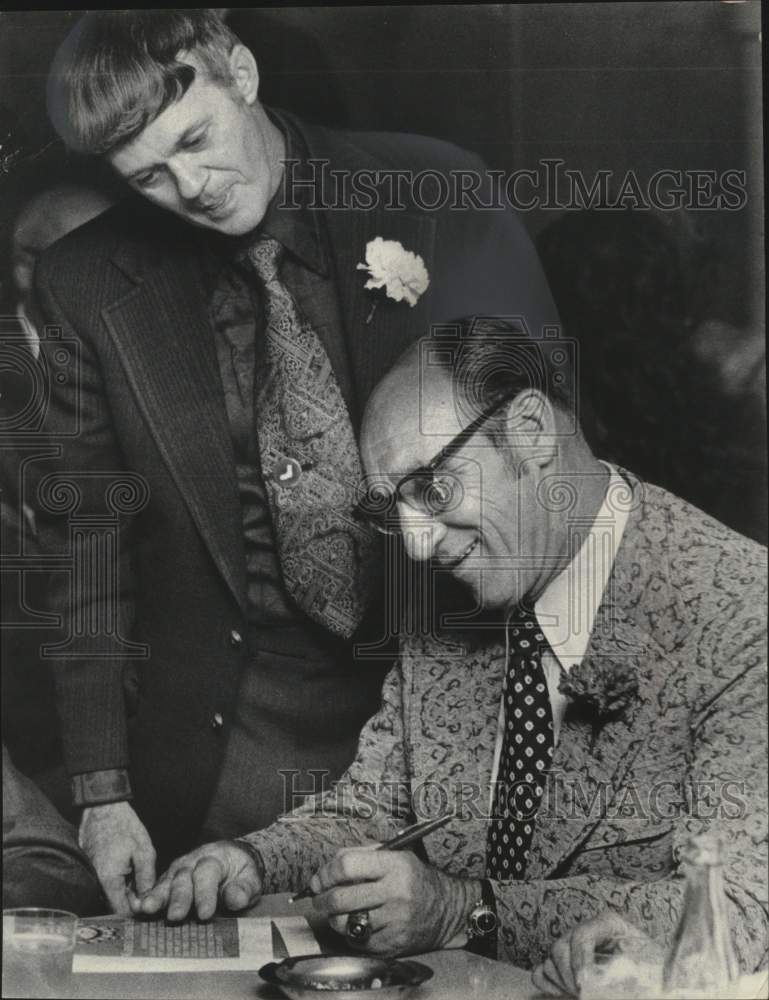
(114, 944)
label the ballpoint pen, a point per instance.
(409, 835)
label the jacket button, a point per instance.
(217, 720)
(236, 639)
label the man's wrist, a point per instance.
(254, 853)
(463, 896)
(100, 788)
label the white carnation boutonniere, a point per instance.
(400, 272)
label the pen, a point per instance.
(409, 835)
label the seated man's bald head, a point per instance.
(476, 362)
(392, 395)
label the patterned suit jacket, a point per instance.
(685, 606)
(136, 434)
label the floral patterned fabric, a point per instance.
(685, 607)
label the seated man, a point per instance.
(42, 864)
(617, 708)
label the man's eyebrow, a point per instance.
(183, 138)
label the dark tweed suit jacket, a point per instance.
(126, 293)
(685, 609)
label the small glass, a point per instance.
(630, 970)
(38, 946)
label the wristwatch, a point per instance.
(481, 927)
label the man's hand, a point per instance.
(588, 946)
(118, 846)
(219, 871)
(412, 907)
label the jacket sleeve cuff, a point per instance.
(98, 788)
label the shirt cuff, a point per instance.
(99, 788)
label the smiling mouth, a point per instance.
(453, 564)
(216, 207)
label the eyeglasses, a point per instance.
(425, 490)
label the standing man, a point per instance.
(227, 340)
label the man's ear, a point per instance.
(245, 73)
(531, 429)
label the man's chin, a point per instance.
(465, 614)
(227, 227)
(492, 591)
(476, 588)
(234, 223)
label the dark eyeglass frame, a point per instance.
(377, 520)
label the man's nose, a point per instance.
(190, 180)
(421, 533)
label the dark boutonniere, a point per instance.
(600, 688)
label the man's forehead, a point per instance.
(413, 415)
(421, 395)
(157, 139)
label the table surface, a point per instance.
(459, 975)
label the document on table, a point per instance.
(116, 944)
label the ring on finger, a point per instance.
(358, 927)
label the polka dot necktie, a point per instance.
(527, 750)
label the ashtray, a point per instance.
(352, 976)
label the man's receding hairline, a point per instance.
(200, 40)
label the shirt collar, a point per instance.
(567, 608)
(298, 230)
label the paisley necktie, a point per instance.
(310, 461)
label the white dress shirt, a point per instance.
(566, 610)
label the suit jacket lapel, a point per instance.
(162, 333)
(593, 756)
(373, 342)
(455, 751)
